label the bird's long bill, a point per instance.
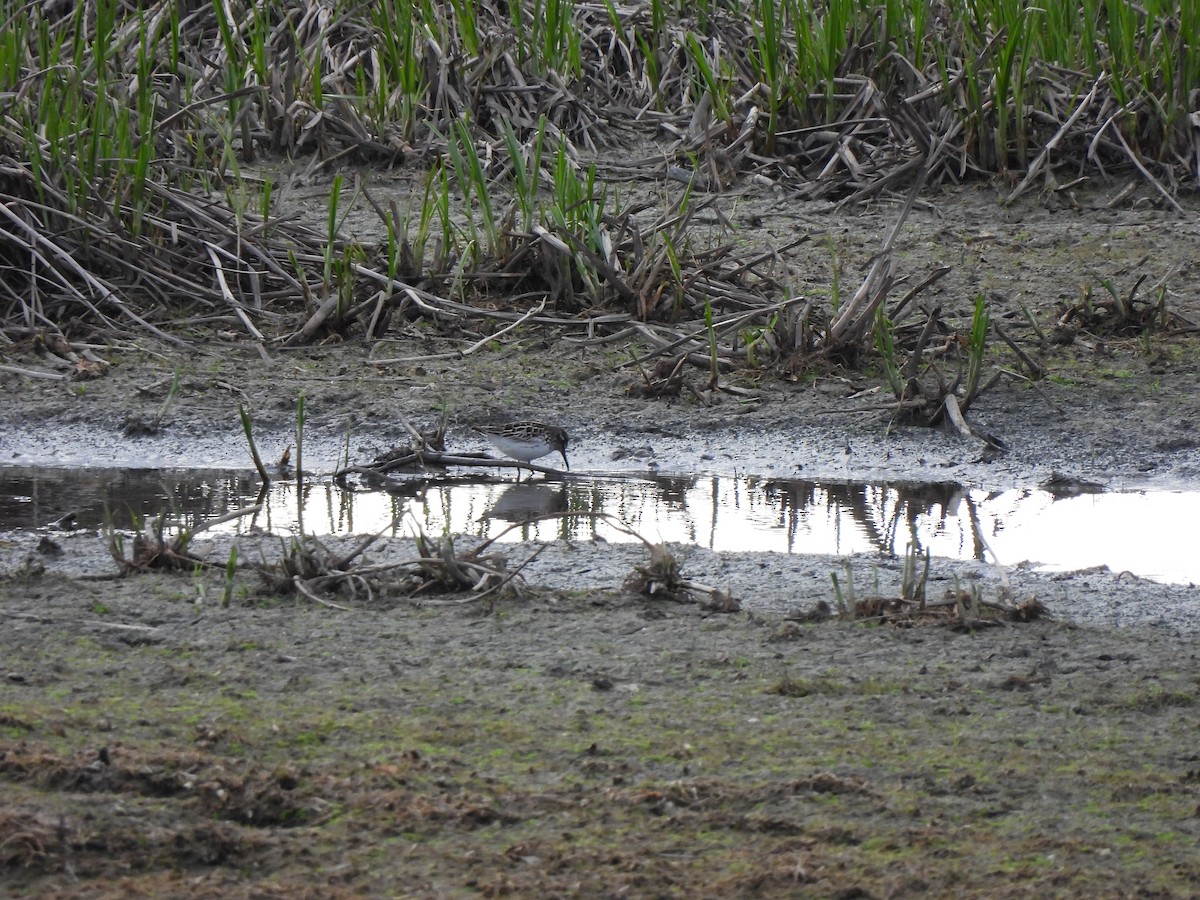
(564, 456)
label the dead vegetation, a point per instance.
(961, 608)
(309, 570)
(662, 578)
(147, 213)
(964, 609)
(152, 546)
(1105, 311)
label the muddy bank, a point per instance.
(579, 743)
(1122, 407)
(775, 584)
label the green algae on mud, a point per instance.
(586, 743)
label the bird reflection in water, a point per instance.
(526, 502)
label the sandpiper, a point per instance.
(527, 441)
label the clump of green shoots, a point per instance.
(1113, 313)
(526, 166)
(976, 350)
(576, 213)
(846, 602)
(716, 83)
(121, 114)
(769, 63)
(885, 343)
(472, 182)
(400, 83)
(923, 394)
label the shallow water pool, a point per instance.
(1149, 533)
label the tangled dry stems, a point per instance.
(163, 244)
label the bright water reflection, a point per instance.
(1146, 533)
